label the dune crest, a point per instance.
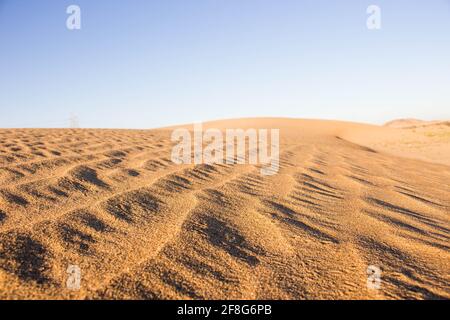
(347, 196)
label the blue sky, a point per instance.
(144, 64)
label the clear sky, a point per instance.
(151, 63)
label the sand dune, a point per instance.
(346, 196)
(414, 123)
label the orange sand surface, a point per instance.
(112, 202)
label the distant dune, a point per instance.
(426, 140)
(405, 123)
(414, 123)
(347, 196)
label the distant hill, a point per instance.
(413, 123)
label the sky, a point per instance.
(154, 63)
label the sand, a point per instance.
(347, 196)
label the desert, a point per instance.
(347, 196)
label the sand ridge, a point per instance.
(139, 226)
